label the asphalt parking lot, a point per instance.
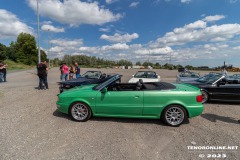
(32, 128)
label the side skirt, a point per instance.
(126, 116)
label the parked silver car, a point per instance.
(187, 76)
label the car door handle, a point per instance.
(136, 96)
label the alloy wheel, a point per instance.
(79, 112)
(174, 116)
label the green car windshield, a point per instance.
(106, 83)
(209, 78)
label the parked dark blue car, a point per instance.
(90, 77)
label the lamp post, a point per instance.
(49, 47)
(149, 56)
(39, 54)
(50, 54)
(170, 58)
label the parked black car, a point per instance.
(217, 87)
(90, 77)
(182, 69)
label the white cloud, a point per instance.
(195, 25)
(236, 48)
(122, 55)
(57, 49)
(47, 22)
(223, 46)
(120, 38)
(198, 32)
(185, 1)
(11, 26)
(74, 12)
(156, 2)
(134, 4)
(67, 43)
(111, 1)
(118, 46)
(210, 47)
(213, 18)
(50, 28)
(104, 29)
(233, 1)
(90, 49)
(164, 50)
(105, 49)
(218, 39)
(61, 47)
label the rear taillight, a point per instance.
(199, 98)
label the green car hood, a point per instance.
(78, 89)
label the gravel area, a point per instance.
(32, 128)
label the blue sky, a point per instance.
(195, 32)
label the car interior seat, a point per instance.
(141, 82)
(104, 75)
(138, 86)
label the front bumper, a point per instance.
(62, 107)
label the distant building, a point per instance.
(138, 67)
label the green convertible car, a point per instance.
(173, 103)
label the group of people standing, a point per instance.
(66, 73)
(3, 72)
(69, 72)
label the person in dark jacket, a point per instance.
(1, 71)
(77, 70)
(4, 72)
(42, 75)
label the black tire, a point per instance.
(174, 115)
(80, 111)
(205, 96)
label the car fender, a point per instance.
(175, 103)
(84, 101)
(202, 89)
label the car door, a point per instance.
(154, 101)
(119, 102)
(226, 92)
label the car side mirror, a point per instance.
(104, 90)
(132, 75)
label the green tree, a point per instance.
(179, 66)
(12, 52)
(157, 65)
(26, 49)
(124, 62)
(3, 52)
(167, 66)
(146, 64)
(56, 62)
(43, 55)
(138, 63)
(189, 67)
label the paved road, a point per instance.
(32, 128)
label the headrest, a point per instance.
(139, 84)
